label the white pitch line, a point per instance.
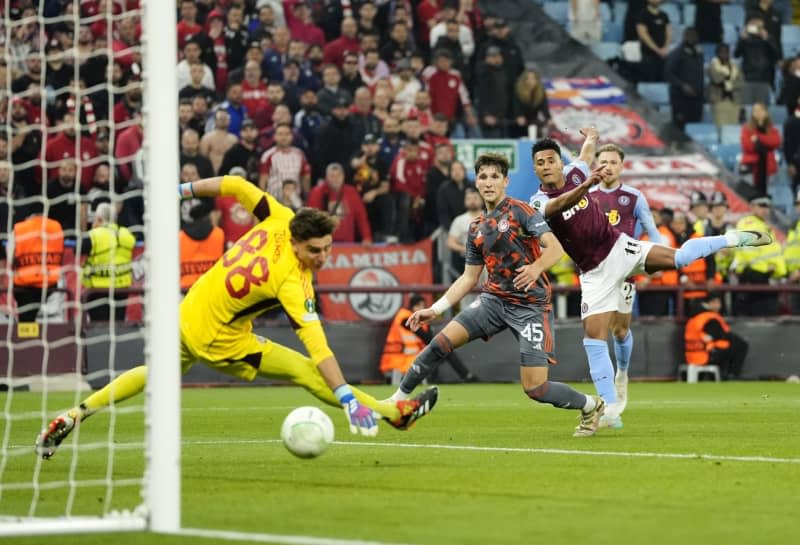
(275, 538)
(623, 454)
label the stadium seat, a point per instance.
(606, 50)
(733, 14)
(790, 33)
(730, 35)
(693, 372)
(620, 9)
(557, 11)
(729, 155)
(753, 91)
(730, 134)
(655, 93)
(612, 32)
(706, 113)
(673, 11)
(778, 114)
(703, 133)
(688, 14)
(709, 50)
(605, 13)
(677, 33)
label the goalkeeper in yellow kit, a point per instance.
(270, 266)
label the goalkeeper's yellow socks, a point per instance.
(128, 384)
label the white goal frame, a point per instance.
(161, 485)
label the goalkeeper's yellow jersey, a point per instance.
(260, 272)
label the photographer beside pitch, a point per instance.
(270, 266)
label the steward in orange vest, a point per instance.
(708, 339)
(201, 246)
(38, 249)
(658, 303)
(402, 345)
(697, 272)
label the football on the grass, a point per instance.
(307, 432)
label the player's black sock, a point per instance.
(428, 360)
(557, 394)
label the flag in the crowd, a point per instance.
(583, 92)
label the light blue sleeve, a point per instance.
(645, 218)
(538, 202)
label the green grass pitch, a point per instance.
(710, 464)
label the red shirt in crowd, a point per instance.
(408, 176)
(62, 147)
(234, 220)
(346, 204)
(255, 98)
(447, 91)
(335, 50)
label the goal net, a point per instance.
(89, 105)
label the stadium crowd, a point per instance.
(348, 106)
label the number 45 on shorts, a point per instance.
(532, 333)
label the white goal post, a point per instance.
(160, 484)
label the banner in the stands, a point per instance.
(583, 92)
(693, 164)
(615, 124)
(674, 192)
(379, 266)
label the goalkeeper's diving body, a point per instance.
(270, 266)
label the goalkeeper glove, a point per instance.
(360, 417)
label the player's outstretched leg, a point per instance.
(563, 396)
(128, 384)
(697, 248)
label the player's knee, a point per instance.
(537, 392)
(620, 332)
(441, 345)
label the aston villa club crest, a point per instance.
(576, 179)
(624, 200)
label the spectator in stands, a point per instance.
(407, 178)
(724, 89)
(459, 228)
(371, 68)
(291, 84)
(100, 191)
(791, 255)
(463, 32)
(191, 55)
(436, 177)
(65, 195)
(428, 16)
(791, 146)
(308, 119)
(290, 195)
(190, 153)
(448, 92)
(632, 11)
(717, 224)
(450, 41)
(335, 139)
(265, 24)
(7, 211)
(405, 84)
(367, 19)
(437, 132)
(530, 106)
(66, 145)
(129, 143)
(361, 117)
(187, 25)
(25, 147)
(331, 92)
(109, 251)
(343, 201)
(201, 245)
(658, 303)
(698, 209)
(218, 140)
(766, 12)
(38, 249)
(200, 108)
(758, 53)
(421, 110)
(412, 130)
(399, 46)
(236, 38)
(215, 53)
(185, 115)
(683, 71)
(301, 25)
(284, 162)
(450, 198)
(351, 76)
(32, 74)
(371, 180)
(790, 87)
(254, 91)
(758, 265)
(235, 109)
(708, 21)
(195, 86)
(390, 140)
(760, 139)
(500, 36)
(585, 23)
(334, 51)
(493, 95)
(709, 340)
(272, 67)
(654, 32)
(243, 154)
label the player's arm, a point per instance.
(457, 290)
(591, 136)
(573, 196)
(260, 204)
(643, 215)
(297, 299)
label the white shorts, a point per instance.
(604, 289)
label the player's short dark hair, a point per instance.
(490, 159)
(545, 144)
(310, 223)
(611, 148)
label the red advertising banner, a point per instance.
(616, 124)
(356, 265)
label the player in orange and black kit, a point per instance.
(516, 246)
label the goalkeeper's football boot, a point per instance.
(56, 431)
(750, 238)
(590, 420)
(412, 410)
